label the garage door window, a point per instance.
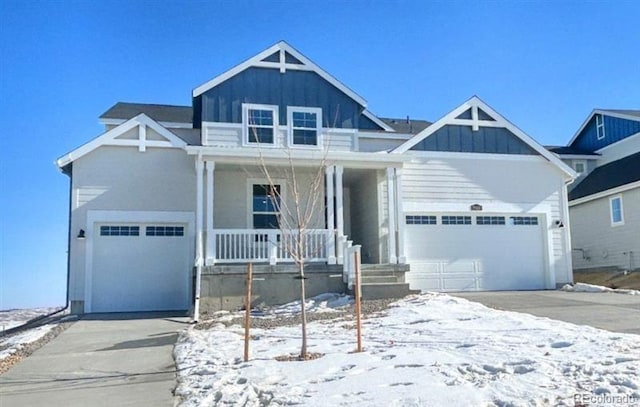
(165, 231)
(490, 220)
(119, 231)
(421, 220)
(524, 220)
(456, 220)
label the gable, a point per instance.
(615, 129)
(462, 139)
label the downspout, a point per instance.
(199, 249)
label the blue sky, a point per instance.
(544, 65)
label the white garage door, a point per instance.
(473, 252)
(140, 267)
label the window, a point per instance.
(524, 220)
(305, 125)
(420, 220)
(266, 206)
(579, 166)
(260, 123)
(456, 220)
(600, 126)
(119, 230)
(490, 220)
(164, 231)
(615, 206)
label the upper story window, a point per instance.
(580, 166)
(615, 207)
(305, 125)
(259, 123)
(600, 126)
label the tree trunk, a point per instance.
(303, 299)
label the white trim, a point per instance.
(329, 174)
(384, 136)
(391, 215)
(575, 163)
(499, 121)
(377, 121)
(602, 150)
(210, 254)
(290, 128)
(578, 156)
(263, 181)
(339, 170)
(142, 138)
(474, 156)
(257, 61)
(400, 223)
(245, 124)
(602, 194)
(169, 125)
(566, 233)
(110, 139)
(99, 216)
(602, 112)
(600, 130)
(199, 215)
(621, 221)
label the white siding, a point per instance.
(605, 245)
(620, 149)
(509, 185)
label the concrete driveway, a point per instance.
(101, 360)
(613, 312)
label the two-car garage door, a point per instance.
(139, 267)
(475, 252)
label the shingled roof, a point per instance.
(406, 126)
(608, 176)
(567, 150)
(159, 113)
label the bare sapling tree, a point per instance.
(300, 208)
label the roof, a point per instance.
(159, 113)
(623, 111)
(629, 114)
(608, 176)
(568, 150)
(406, 126)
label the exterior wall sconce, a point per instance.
(81, 235)
(558, 224)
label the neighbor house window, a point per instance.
(615, 205)
(260, 123)
(305, 125)
(600, 126)
(266, 206)
(579, 166)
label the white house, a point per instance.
(604, 202)
(469, 202)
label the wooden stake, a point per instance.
(358, 309)
(247, 313)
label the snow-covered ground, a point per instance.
(426, 350)
(12, 343)
(14, 317)
(590, 288)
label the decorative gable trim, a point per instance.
(604, 113)
(113, 138)
(489, 118)
(266, 59)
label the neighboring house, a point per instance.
(604, 202)
(469, 202)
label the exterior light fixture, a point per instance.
(81, 235)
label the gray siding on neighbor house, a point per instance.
(598, 244)
(462, 139)
(223, 103)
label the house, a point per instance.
(468, 202)
(604, 202)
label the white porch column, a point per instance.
(339, 207)
(210, 257)
(199, 210)
(402, 259)
(329, 172)
(391, 215)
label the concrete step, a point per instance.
(382, 278)
(384, 290)
(394, 268)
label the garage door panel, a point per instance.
(471, 257)
(139, 272)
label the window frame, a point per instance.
(600, 131)
(419, 220)
(250, 212)
(580, 162)
(119, 230)
(291, 128)
(246, 126)
(456, 220)
(611, 211)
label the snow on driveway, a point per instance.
(426, 350)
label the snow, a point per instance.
(590, 288)
(428, 349)
(15, 317)
(12, 344)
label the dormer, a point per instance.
(279, 98)
(611, 133)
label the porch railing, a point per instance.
(271, 245)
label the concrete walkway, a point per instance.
(101, 360)
(613, 312)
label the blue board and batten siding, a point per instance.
(223, 103)
(462, 139)
(615, 129)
